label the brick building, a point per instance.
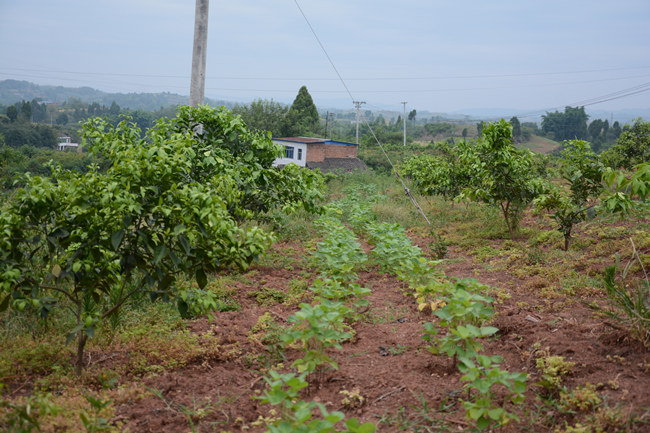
(319, 153)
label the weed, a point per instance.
(195, 302)
(25, 417)
(629, 301)
(552, 369)
(94, 422)
(268, 296)
(194, 414)
(419, 417)
(352, 399)
(580, 399)
(267, 332)
(437, 245)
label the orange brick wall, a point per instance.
(315, 152)
(340, 151)
(318, 152)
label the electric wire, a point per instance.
(262, 78)
(407, 191)
(623, 93)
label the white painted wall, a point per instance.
(299, 150)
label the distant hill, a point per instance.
(12, 91)
(488, 114)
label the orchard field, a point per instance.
(354, 315)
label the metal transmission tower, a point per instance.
(358, 105)
(199, 53)
(404, 103)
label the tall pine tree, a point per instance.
(302, 117)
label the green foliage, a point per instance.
(25, 417)
(302, 117)
(18, 134)
(484, 376)
(297, 416)
(263, 115)
(631, 148)
(582, 172)
(339, 254)
(553, 369)
(334, 290)
(94, 422)
(168, 205)
(317, 328)
(15, 162)
(628, 299)
(570, 125)
(435, 175)
(193, 303)
(502, 175)
(516, 128)
(462, 312)
(583, 399)
(623, 189)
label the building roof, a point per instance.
(313, 140)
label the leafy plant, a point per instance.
(583, 398)
(629, 301)
(582, 171)
(95, 423)
(339, 254)
(552, 369)
(502, 175)
(462, 310)
(483, 376)
(437, 245)
(170, 204)
(334, 290)
(195, 302)
(317, 328)
(296, 416)
(25, 417)
(623, 189)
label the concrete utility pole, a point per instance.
(330, 117)
(404, 103)
(199, 54)
(358, 105)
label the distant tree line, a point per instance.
(573, 124)
(299, 119)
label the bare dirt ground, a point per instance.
(403, 386)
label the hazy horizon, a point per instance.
(437, 56)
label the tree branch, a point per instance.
(56, 289)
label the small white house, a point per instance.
(65, 143)
(293, 152)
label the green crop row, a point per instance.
(315, 329)
(460, 305)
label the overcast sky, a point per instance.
(437, 55)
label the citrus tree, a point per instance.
(441, 174)
(582, 174)
(171, 203)
(501, 175)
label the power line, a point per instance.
(630, 91)
(406, 190)
(364, 91)
(404, 78)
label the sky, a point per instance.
(438, 56)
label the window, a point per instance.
(299, 154)
(288, 152)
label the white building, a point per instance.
(65, 143)
(294, 151)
